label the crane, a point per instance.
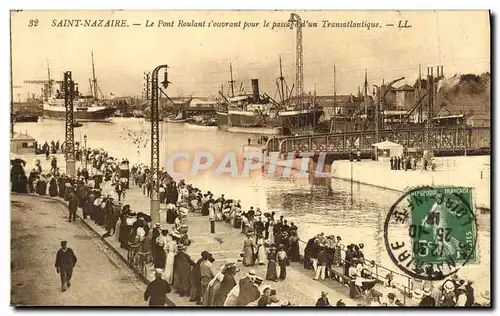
(299, 64)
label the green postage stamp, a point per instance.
(430, 232)
(443, 227)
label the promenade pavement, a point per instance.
(100, 278)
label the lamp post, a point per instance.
(155, 142)
(85, 149)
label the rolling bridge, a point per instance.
(444, 141)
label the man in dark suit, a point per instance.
(157, 290)
(65, 262)
(323, 300)
(73, 207)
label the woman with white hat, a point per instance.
(417, 296)
(448, 298)
(427, 300)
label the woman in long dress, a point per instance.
(337, 256)
(248, 250)
(227, 284)
(212, 288)
(182, 272)
(271, 231)
(171, 250)
(261, 252)
(294, 247)
(271, 273)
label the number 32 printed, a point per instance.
(33, 23)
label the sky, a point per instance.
(199, 57)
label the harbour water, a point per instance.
(314, 206)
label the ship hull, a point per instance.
(26, 118)
(222, 120)
(294, 120)
(246, 119)
(80, 114)
(287, 120)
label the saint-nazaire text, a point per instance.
(89, 23)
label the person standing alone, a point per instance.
(65, 262)
(157, 290)
(73, 207)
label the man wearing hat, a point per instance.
(157, 290)
(323, 300)
(72, 206)
(448, 299)
(65, 262)
(427, 299)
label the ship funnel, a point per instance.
(255, 90)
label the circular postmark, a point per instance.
(431, 232)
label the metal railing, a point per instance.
(138, 259)
(380, 272)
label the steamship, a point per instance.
(256, 111)
(85, 107)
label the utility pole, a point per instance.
(231, 81)
(68, 88)
(155, 142)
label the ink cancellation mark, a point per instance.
(431, 232)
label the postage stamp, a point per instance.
(431, 232)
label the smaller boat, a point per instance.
(26, 118)
(178, 119)
(77, 124)
(203, 122)
(173, 120)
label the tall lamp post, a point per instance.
(155, 142)
(85, 149)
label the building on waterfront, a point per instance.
(404, 96)
(22, 144)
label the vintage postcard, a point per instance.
(250, 158)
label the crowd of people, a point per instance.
(269, 241)
(406, 163)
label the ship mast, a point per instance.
(366, 92)
(231, 81)
(49, 86)
(94, 79)
(282, 80)
(332, 119)
(90, 86)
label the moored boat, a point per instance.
(173, 120)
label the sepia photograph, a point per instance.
(250, 159)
